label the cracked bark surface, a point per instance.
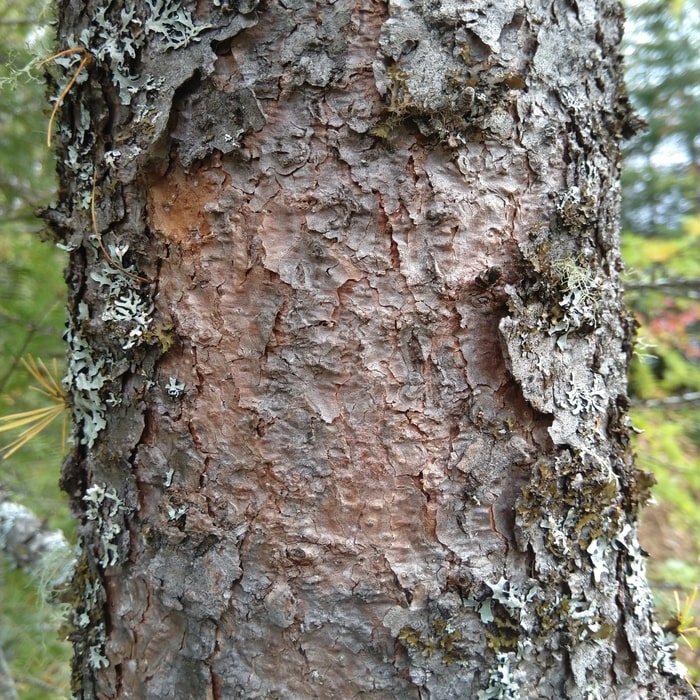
(381, 245)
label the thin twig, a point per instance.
(16, 359)
(98, 237)
(690, 285)
(690, 398)
(87, 57)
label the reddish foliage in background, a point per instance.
(678, 327)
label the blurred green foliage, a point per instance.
(661, 247)
(663, 74)
(32, 292)
(32, 318)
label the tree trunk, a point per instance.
(348, 353)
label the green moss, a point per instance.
(442, 639)
(540, 614)
(569, 502)
(444, 123)
(162, 334)
(504, 633)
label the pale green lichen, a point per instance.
(505, 683)
(129, 314)
(85, 378)
(88, 374)
(569, 502)
(176, 513)
(88, 619)
(522, 617)
(103, 505)
(175, 389)
(578, 290)
(105, 510)
(116, 40)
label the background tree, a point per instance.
(661, 224)
(663, 70)
(558, 272)
(662, 208)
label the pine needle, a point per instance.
(36, 419)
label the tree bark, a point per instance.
(348, 353)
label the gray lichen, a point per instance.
(117, 39)
(106, 509)
(440, 67)
(125, 308)
(86, 375)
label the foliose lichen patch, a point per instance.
(452, 90)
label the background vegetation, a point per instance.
(32, 317)
(661, 248)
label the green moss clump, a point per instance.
(441, 639)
